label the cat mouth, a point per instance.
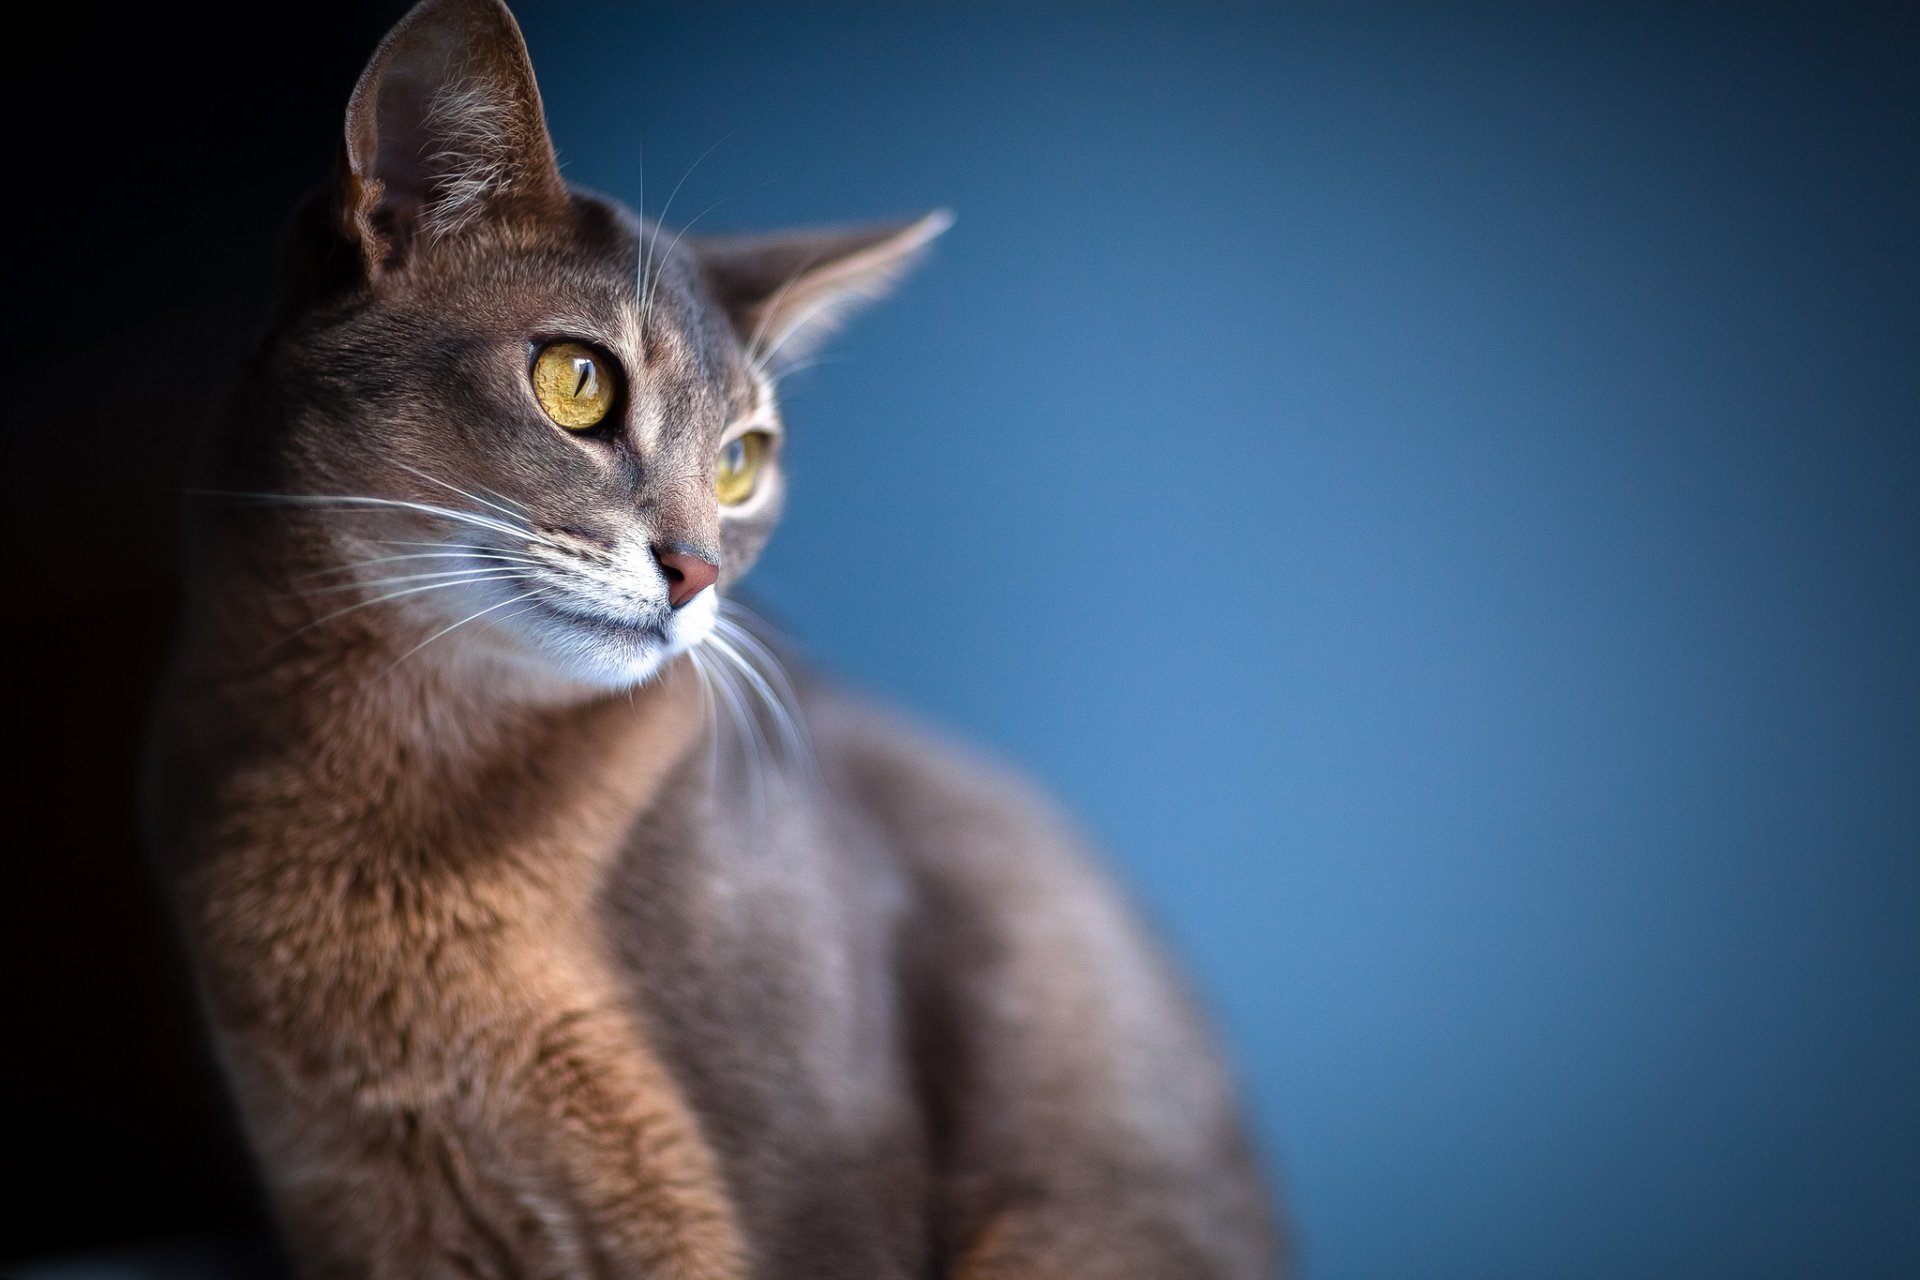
(640, 632)
(606, 643)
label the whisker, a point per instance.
(475, 575)
(392, 595)
(736, 623)
(729, 693)
(456, 626)
(479, 547)
(425, 508)
(740, 622)
(433, 479)
(526, 511)
(646, 314)
(709, 715)
(646, 305)
(464, 554)
(535, 556)
(749, 739)
(645, 245)
(736, 618)
(792, 741)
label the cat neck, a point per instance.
(362, 747)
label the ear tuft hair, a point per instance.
(444, 129)
(470, 126)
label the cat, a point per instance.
(545, 924)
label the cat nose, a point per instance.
(687, 574)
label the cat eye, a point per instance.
(737, 469)
(574, 385)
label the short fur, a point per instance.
(519, 963)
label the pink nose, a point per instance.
(687, 574)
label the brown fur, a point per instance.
(512, 975)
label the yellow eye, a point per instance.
(573, 385)
(737, 469)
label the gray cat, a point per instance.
(546, 926)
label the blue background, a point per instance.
(1437, 493)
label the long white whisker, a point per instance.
(392, 595)
(645, 245)
(736, 706)
(464, 554)
(646, 306)
(781, 691)
(479, 547)
(426, 508)
(456, 626)
(470, 497)
(475, 575)
(450, 513)
(750, 740)
(790, 738)
(709, 716)
(783, 700)
(533, 556)
(752, 684)
(526, 512)
(646, 314)
(735, 618)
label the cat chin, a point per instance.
(606, 655)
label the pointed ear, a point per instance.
(786, 292)
(444, 129)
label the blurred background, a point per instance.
(1436, 488)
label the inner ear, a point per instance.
(444, 129)
(784, 293)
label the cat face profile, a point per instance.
(540, 429)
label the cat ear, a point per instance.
(787, 291)
(444, 128)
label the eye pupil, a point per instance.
(568, 382)
(736, 457)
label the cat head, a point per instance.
(516, 417)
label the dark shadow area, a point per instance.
(155, 154)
